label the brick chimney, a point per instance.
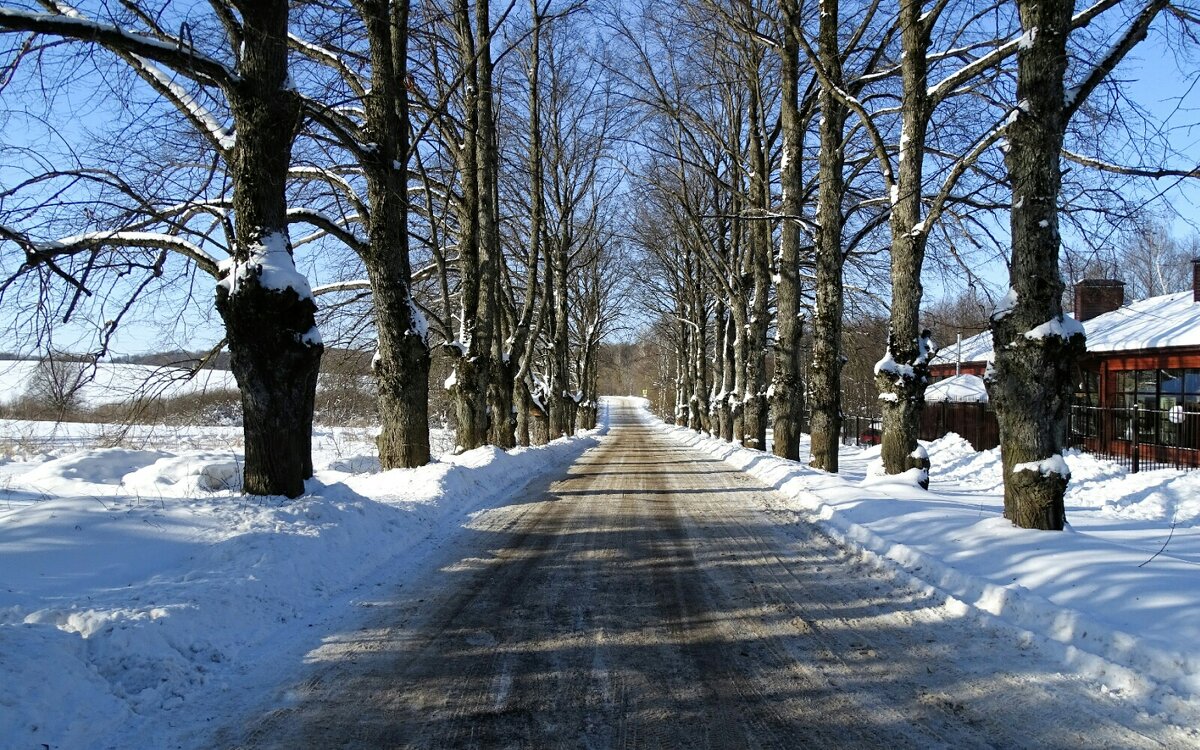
(1097, 296)
(1196, 279)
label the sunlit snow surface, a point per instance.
(142, 594)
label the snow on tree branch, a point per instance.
(1076, 95)
(200, 115)
(185, 61)
(327, 225)
(1104, 166)
(332, 60)
(91, 240)
(335, 181)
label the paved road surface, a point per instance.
(640, 603)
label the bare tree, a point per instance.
(825, 378)
(786, 386)
(267, 307)
(1036, 344)
(1147, 258)
(375, 135)
(57, 384)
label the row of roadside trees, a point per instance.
(803, 155)
(448, 160)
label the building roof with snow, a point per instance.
(977, 348)
(957, 389)
(1172, 320)
(1166, 322)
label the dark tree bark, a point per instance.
(825, 378)
(787, 390)
(499, 388)
(741, 318)
(716, 398)
(473, 349)
(1030, 381)
(1035, 343)
(401, 367)
(524, 340)
(273, 352)
(683, 363)
(758, 257)
(903, 373)
(729, 407)
(699, 363)
(562, 406)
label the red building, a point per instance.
(1142, 366)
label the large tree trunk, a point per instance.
(729, 381)
(499, 371)
(401, 366)
(694, 384)
(690, 335)
(903, 373)
(1035, 343)
(716, 394)
(700, 389)
(787, 390)
(268, 310)
(587, 383)
(825, 379)
(562, 407)
(683, 370)
(740, 319)
(469, 383)
(401, 369)
(539, 425)
(530, 417)
(524, 340)
(759, 260)
(502, 422)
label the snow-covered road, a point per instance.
(645, 600)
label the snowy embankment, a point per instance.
(142, 597)
(1106, 596)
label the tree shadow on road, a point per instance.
(597, 612)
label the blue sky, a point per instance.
(1156, 84)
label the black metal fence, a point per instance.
(862, 431)
(1137, 438)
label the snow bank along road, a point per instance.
(640, 602)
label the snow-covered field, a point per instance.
(1116, 597)
(118, 383)
(142, 596)
(23, 440)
